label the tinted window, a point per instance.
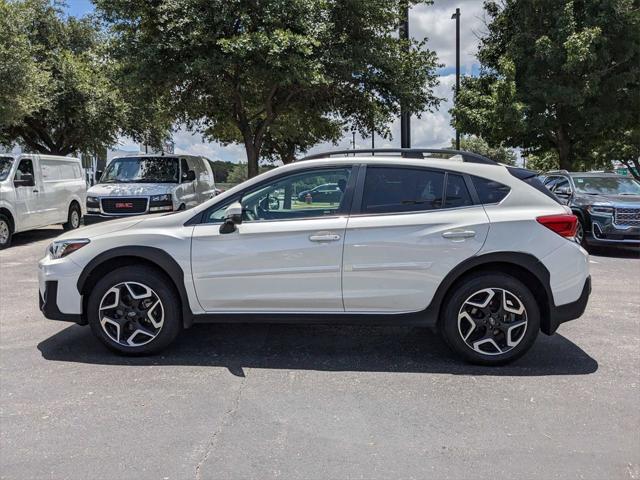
(389, 189)
(489, 191)
(457, 192)
(25, 167)
(293, 197)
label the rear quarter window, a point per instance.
(489, 191)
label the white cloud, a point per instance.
(433, 129)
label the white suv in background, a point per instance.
(39, 190)
(142, 184)
(480, 251)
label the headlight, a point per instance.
(93, 200)
(62, 248)
(161, 198)
(600, 210)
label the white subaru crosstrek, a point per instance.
(481, 251)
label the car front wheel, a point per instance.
(134, 311)
(490, 319)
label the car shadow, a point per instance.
(32, 236)
(615, 252)
(319, 347)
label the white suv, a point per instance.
(480, 251)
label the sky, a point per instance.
(431, 131)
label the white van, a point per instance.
(39, 190)
(142, 184)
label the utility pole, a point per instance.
(457, 18)
(405, 116)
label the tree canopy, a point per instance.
(472, 143)
(557, 75)
(241, 71)
(56, 95)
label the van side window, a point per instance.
(25, 167)
(391, 189)
(488, 190)
(457, 192)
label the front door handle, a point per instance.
(325, 237)
(459, 234)
(35, 190)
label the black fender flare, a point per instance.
(158, 257)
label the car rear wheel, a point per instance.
(74, 217)
(134, 311)
(5, 232)
(490, 319)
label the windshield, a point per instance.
(5, 167)
(142, 170)
(607, 185)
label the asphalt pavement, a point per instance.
(317, 402)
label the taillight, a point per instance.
(564, 225)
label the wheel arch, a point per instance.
(139, 255)
(522, 266)
(7, 213)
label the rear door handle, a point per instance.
(459, 234)
(328, 237)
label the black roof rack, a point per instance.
(405, 153)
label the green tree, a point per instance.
(234, 70)
(556, 75)
(475, 144)
(77, 108)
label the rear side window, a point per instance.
(489, 191)
(389, 189)
(457, 193)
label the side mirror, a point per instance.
(189, 176)
(98, 175)
(26, 180)
(563, 191)
(232, 217)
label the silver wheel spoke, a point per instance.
(131, 314)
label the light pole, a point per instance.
(457, 18)
(405, 116)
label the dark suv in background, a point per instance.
(607, 205)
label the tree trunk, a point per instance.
(633, 166)
(253, 154)
(565, 150)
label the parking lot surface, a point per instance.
(311, 402)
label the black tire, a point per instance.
(6, 232)
(467, 287)
(74, 217)
(581, 233)
(161, 285)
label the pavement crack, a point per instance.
(228, 416)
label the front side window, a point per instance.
(391, 189)
(297, 196)
(5, 167)
(607, 185)
(24, 168)
(142, 170)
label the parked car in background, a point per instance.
(607, 205)
(39, 190)
(143, 184)
(327, 193)
(480, 251)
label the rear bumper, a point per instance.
(48, 300)
(570, 311)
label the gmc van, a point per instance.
(39, 190)
(142, 184)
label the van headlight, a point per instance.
(62, 248)
(161, 198)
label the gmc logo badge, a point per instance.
(124, 205)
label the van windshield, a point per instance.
(5, 167)
(142, 170)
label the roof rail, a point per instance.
(468, 157)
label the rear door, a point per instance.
(413, 226)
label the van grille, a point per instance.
(124, 206)
(627, 216)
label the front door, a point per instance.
(286, 255)
(413, 227)
(28, 209)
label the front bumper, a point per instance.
(49, 305)
(604, 231)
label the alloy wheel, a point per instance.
(492, 321)
(131, 314)
(4, 232)
(579, 236)
(75, 218)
